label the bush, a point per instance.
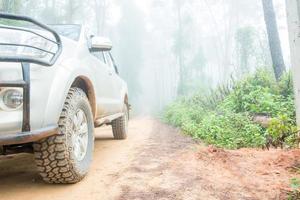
(182, 112)
(224, 117)
(295, 192)
(260, 94)
(229, 130)
(282, 131)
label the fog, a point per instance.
(170, 48)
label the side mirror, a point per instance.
(100, 44)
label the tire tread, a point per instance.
(118, 126)
(52, 155)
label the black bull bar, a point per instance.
(27, 135)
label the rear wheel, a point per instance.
(120, 125)
(66, 158)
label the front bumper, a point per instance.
(27, 137)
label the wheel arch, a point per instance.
(126, 100)
(86, 85)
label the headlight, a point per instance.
(11, 99)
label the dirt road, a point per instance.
(157, 162)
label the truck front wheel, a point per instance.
(65, 158)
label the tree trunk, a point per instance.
(71, 10)
(180, 89)
(100, 9)
(274, 40)
(6, 6)
(293, 16)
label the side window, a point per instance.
(108, 60)
(99, 55)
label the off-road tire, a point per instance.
(120, 125)
(54, 156)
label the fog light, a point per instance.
(11, 99)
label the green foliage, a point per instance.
(260, 94)
(182, 112)
(282, 129)
(229, 130)
(285, 86)
(295, 185)
(224, 117)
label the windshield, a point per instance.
(71, 31)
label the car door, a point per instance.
(117, 83)
(105, 98)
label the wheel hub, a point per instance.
(80, 135)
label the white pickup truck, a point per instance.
(56, 85)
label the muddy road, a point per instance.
(157, 162)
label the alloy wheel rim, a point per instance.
(80, 135)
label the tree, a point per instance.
(129, 48)
(10, 6)
(293, 11)
(49, 13)
(71, 9)
(179, 43)
(245, 44)
(183, 35)
(274, 40)
(101, 7)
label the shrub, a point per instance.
(181, 112)
(260, 94)
(229, 130)
(295, 192)
(285, 86)
(224, 117)
(282, 130)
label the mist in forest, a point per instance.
(165, 49)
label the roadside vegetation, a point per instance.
(256, 111)
(294, 192)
